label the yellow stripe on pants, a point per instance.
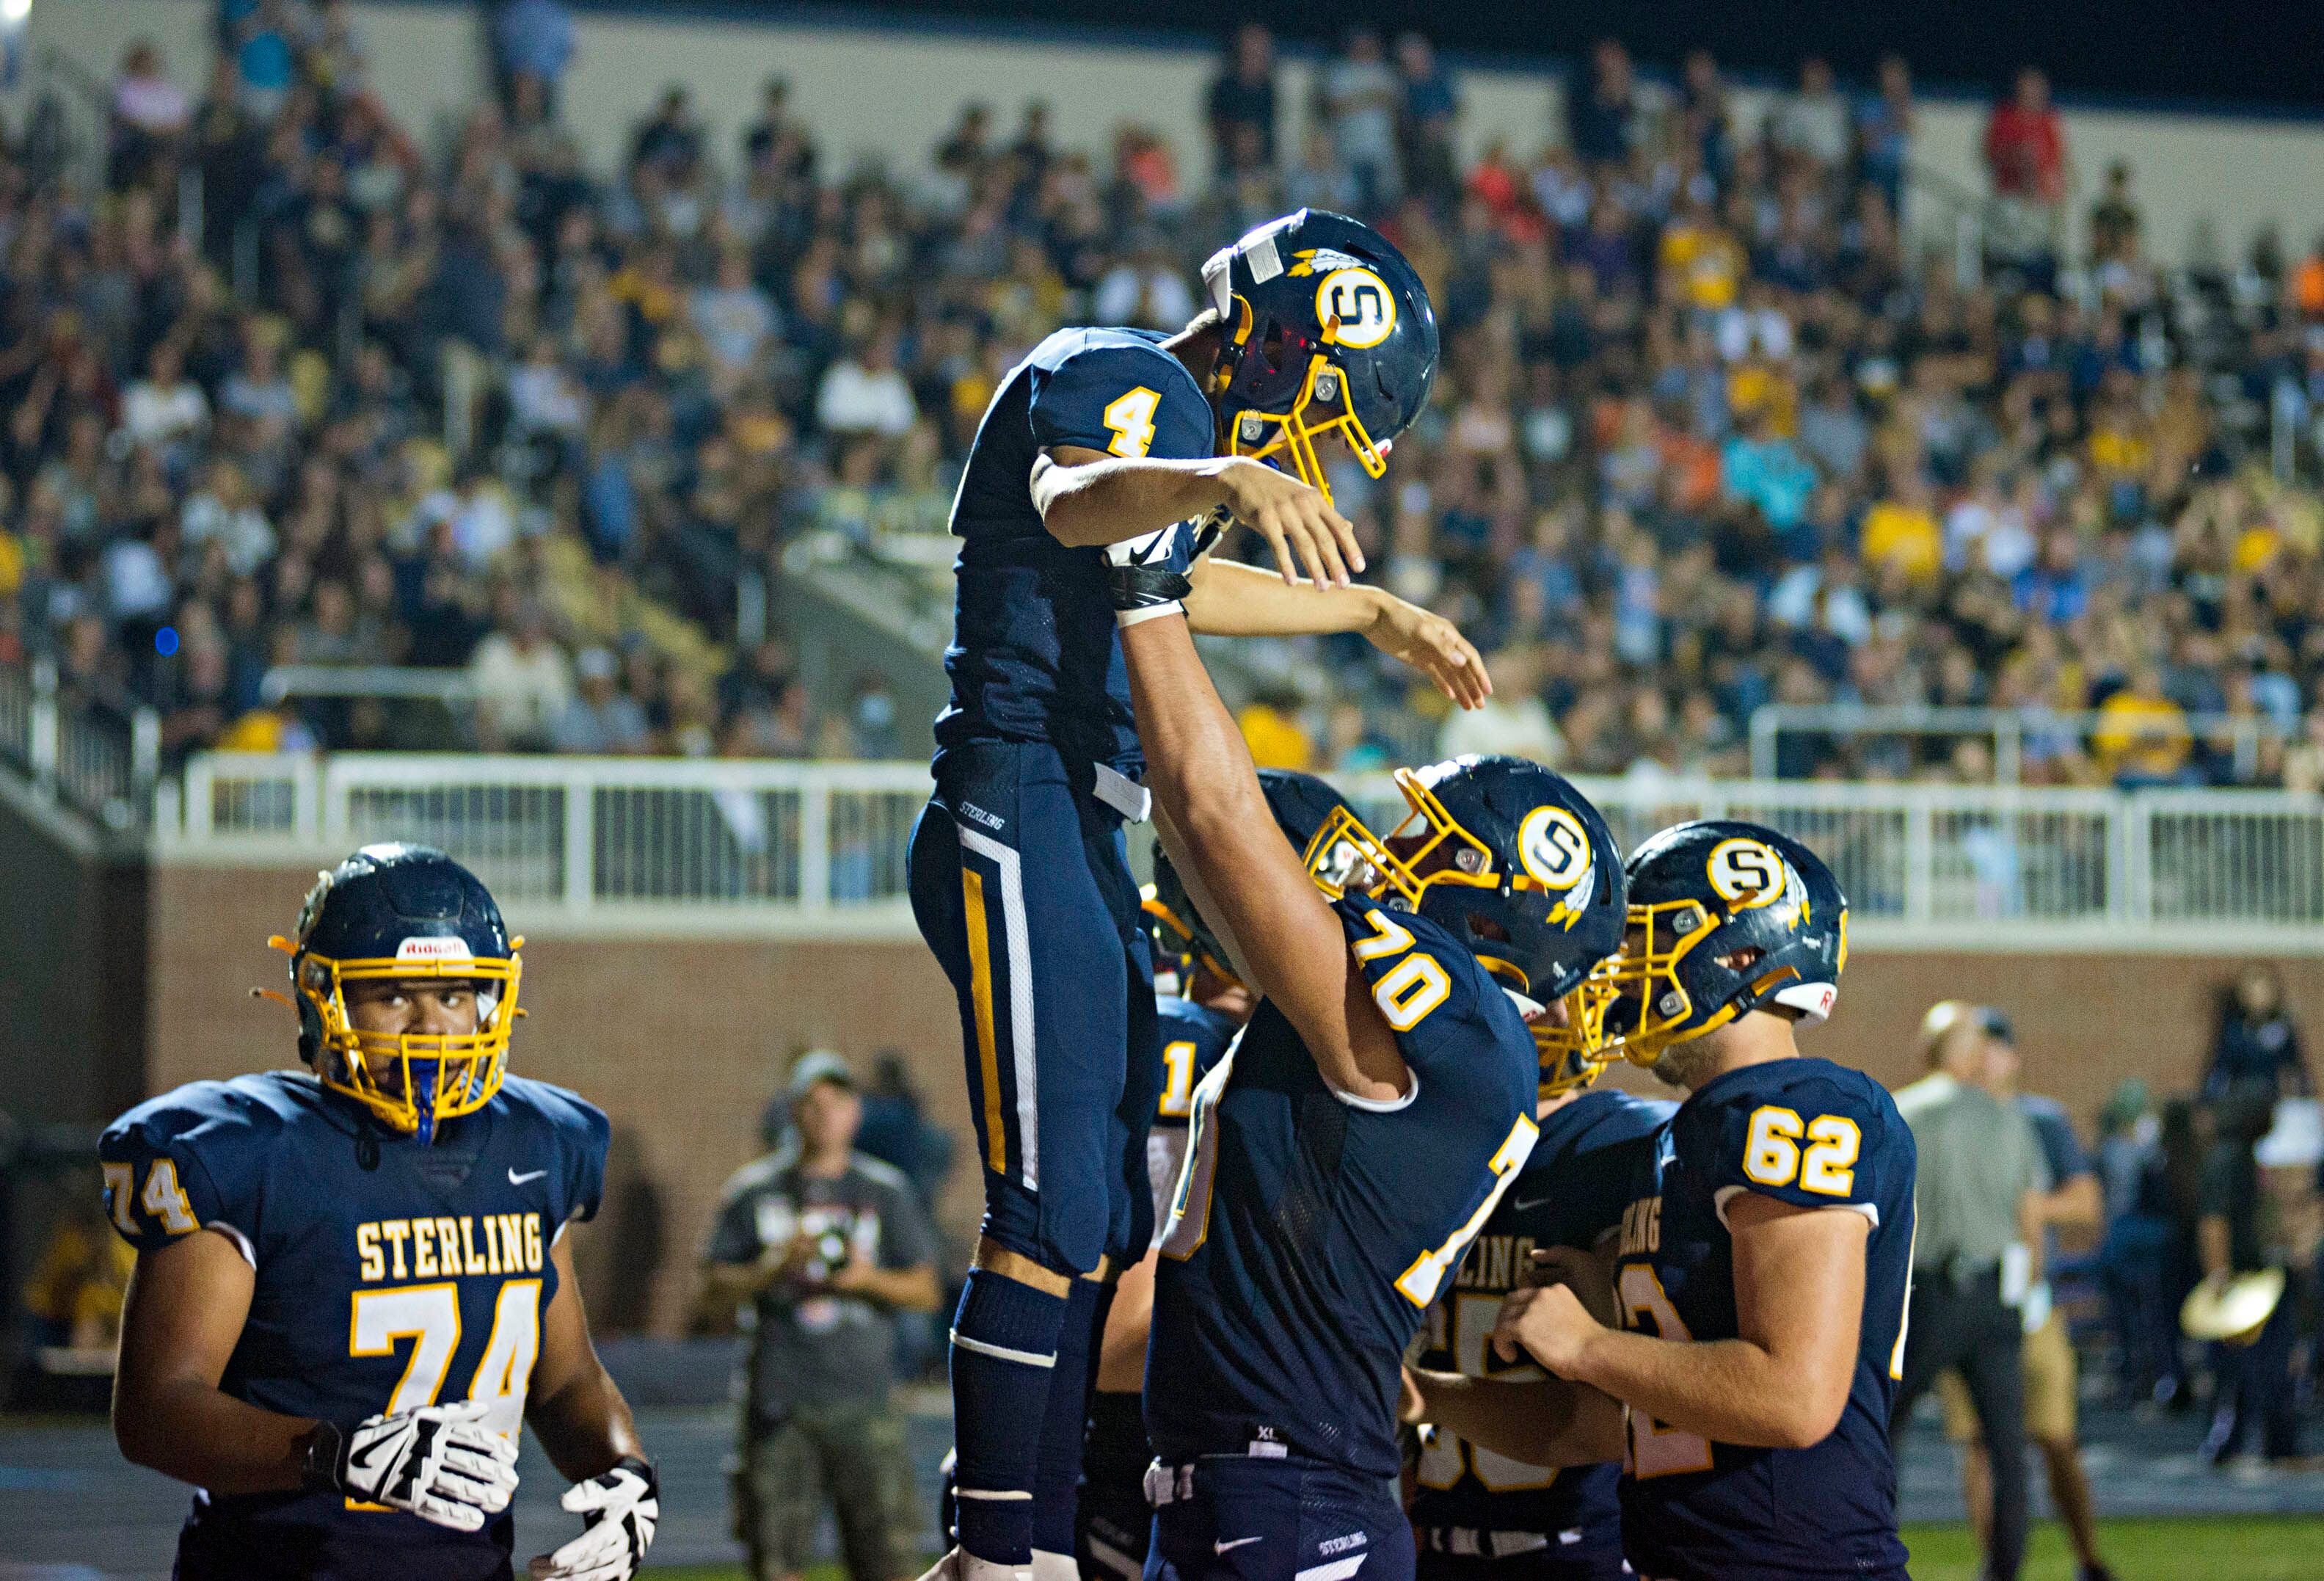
(979, 994)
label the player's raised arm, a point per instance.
(1088, 497)
(1248, 881)
(1233, 600)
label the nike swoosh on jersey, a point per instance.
(517, 1180)
(1219, 1547)
(1531, 1203)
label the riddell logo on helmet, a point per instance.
(432, 949)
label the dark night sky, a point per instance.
(2256, 54)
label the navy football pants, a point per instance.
(1021, 885)
(1242, 1517)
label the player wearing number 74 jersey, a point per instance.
(1767, 1250)
(354, 1285)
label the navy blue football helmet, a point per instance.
(1302, 804)
(1328, 330)
(1703, 893)
(1511, 859)
(399, 912)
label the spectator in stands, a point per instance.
(521, 681)
(1884, 132)
(2143, 738)
(1240, 104)
(826, 1244)
(1812, 124)
(2258, 1044)
(863, 391)
(1514, 720)
(1598, 116)
(1358, 98)
(598, 721)
(149, 114)
(532, 39)
(1426, 122)
(2025, 159)
(2133, 1260)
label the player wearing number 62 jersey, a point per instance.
(1766, 1252)
(1358, 1133)
(352, 1285)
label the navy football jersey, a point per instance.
(1570, 1193)
(1033, 655)
(1807, 1132)
(389, 1275)
(1310, 1231)
(1193, 1039)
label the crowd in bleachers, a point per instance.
(1707, 435)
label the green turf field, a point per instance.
(2256, 1549)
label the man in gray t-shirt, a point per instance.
(824, 1245)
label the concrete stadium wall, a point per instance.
(888, 93)
(681, 1040)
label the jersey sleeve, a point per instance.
(189, 1159)
(587, 1134)
(1434, 996)
(1128, 401)
(1820, 1144)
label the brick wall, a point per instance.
(681, 1040)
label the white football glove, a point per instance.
(438, 1462)
(619, 1511)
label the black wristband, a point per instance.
(1144, 586)
(639, 1465)
(318, 1459)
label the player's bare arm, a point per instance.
(575, 1407)
(1235, 600)
(1782, 1383)
(1214, 821)
(1088, 499)
(180, 1323)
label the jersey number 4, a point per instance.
(1130, 418)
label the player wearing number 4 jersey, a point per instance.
(353, 1286)
(1317, 344)
(1358, 1133)
(1764, 1255)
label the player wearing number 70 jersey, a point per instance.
(1350, 1145)
(1766, 1252)
(354, 1285)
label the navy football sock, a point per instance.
(1004, 1351)
(1057, 1474)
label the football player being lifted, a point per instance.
(354, 1285)
(1756, 1325)
(1317, 347)
(1356, 1134)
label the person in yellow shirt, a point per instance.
(1271, 728)
(1901, 531)
(2142, 736)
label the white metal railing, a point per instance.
(599, 842)
(100, 757)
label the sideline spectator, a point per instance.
(2257, 1409)
(826, 1245)
(1980, 1171)
(2257, 1045)
(2070, 1201)
(1357, 98)
(1240, 102)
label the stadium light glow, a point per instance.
(15, 13)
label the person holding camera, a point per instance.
(822, 1246)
